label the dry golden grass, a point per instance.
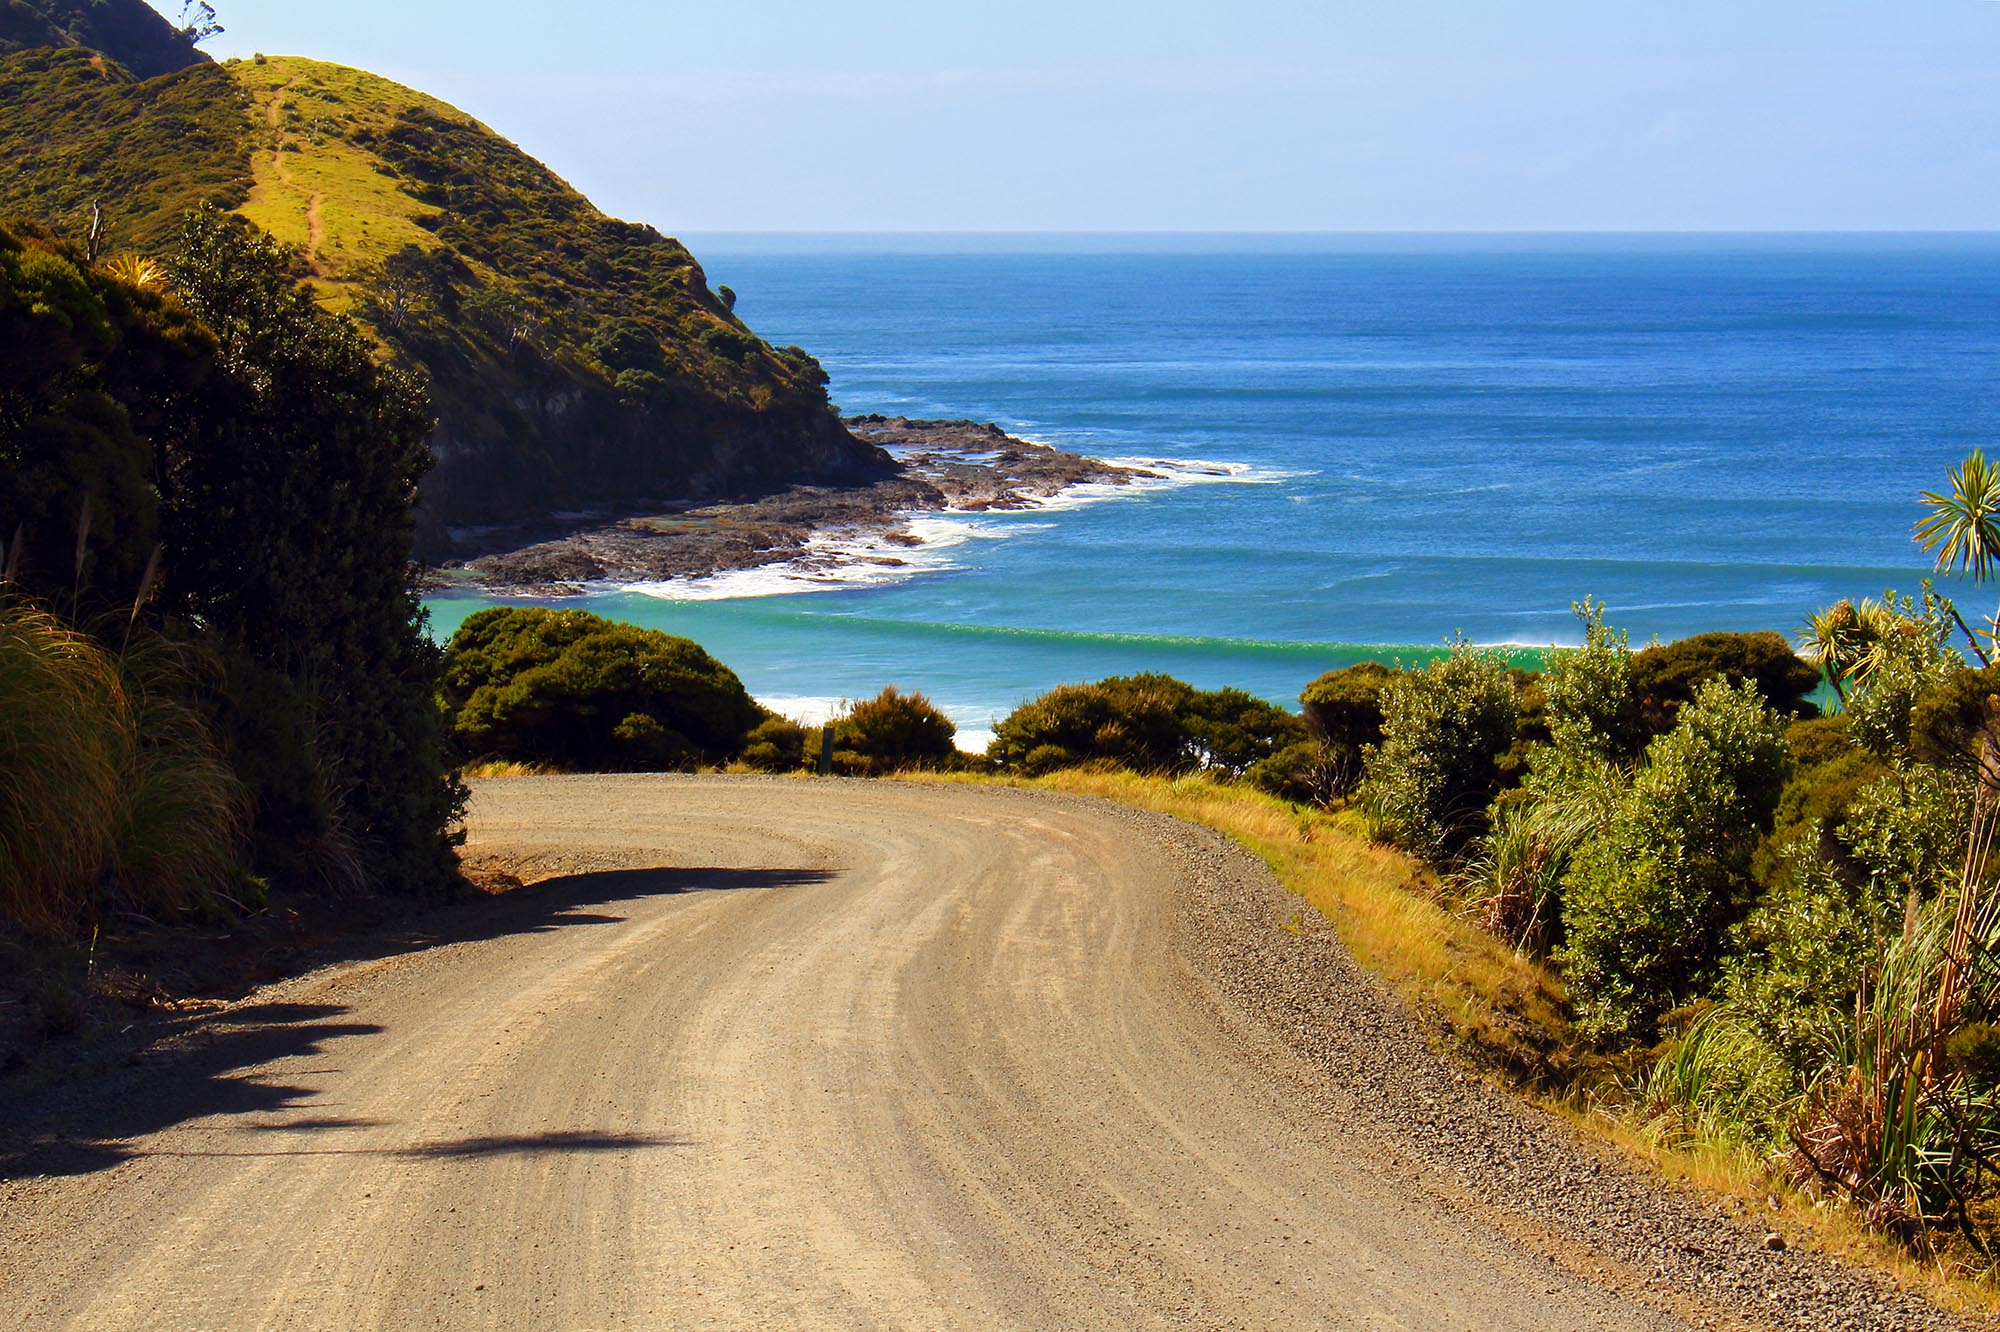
(491, 768)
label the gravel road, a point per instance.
(770, 1053)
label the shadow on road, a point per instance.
(525, 1144)
(79, 1106)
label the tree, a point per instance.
(198, 21)
(1963, 529)
(1834, 640)
(287, 490)
(1443, 729)
(1648, 896)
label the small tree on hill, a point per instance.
(1443, 728)
(198, 22)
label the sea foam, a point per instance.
(847, 558)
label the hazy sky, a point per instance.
(1283, 115)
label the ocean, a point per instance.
(1372, 445)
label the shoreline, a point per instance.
(944, 469)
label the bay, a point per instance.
(1380, 443)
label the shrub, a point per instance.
(1909, 655)
(625, 345)
(1134, 721)
(1146, 723)
(1515, 876)
(1231, 731)
(1907, 830)
(1443, 728)
(1907, 1121)
(1954, 720)
(1667, 676)
(1592, 708)
(1344, 707)
(576, 691)
(1812, 805)
(1648, 896)
(892, 732)
(1802, 951)
(776, 744)
(1717, 1082)
(1308, 771)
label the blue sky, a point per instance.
(1452, 115)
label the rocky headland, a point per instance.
(941, 466)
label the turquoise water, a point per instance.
(1422, 438)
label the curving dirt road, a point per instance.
(771, 1054)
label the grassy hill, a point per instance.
(130, 32)
(576, 361)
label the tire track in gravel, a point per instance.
(844, 1054)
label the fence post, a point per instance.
(826, 752)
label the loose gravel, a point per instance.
(1245, 933)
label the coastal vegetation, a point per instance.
(573, 691)
(1735, 896)
(214, 662)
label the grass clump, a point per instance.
(114, 795)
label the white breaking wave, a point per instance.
(842, 559)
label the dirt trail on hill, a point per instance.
(786, 1054)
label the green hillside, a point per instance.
(576, 361)
(128, 31)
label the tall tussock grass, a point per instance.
(113, 794)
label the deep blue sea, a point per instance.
(1421, 437)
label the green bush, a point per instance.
(776, 744)
(1812, 805)
(1134, 721)
(1146, 723)
(1232, 732)
(1667, 676)
(1909, 655)
(1718, 1081)
(1648, 896)
(1953, 719)
(1310, 772)
(1592, 705)
(1443, 728)
(1801, 953)
(572, 690)
(1344, 707)
(892, 732)
(1515, 874)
